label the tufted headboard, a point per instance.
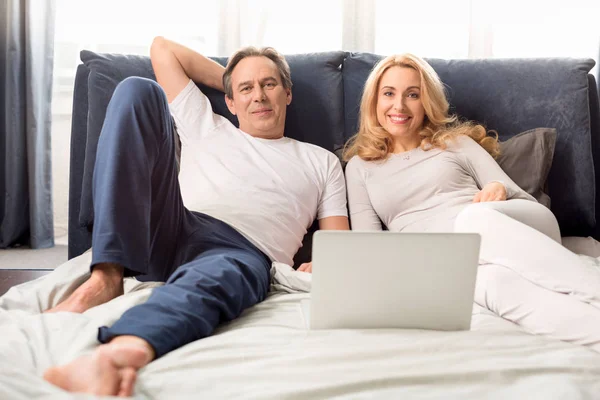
(509, 96)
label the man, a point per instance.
(244, 198)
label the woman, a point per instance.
(416, 168)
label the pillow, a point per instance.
(526, 158)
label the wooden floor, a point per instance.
(12, 277)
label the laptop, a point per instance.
(364, 280)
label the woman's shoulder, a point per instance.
(460, 143)
(358, 166)
(356, 162)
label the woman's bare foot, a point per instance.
(105, 284)
(110, 371)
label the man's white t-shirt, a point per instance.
(269, 190)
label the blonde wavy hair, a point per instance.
(373, 142)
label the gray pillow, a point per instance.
(526, 158)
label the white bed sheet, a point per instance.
(268, 353)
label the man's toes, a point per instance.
(57, 308)
(106, 380)
(65, 307)
(54, 376)
(128, 377)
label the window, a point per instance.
(292, 27)
(428, 28)
(112, 26)
(437, 28)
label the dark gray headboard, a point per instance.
(509, 96)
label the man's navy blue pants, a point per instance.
(212, 272)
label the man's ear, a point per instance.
(230, 104)
(289, 96)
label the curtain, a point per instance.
(26, 63)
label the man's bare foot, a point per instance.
(110, 371)
(105, 283)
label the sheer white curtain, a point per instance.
(429, 28)
(486, 28)
(113, 26)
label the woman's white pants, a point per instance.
(526, 275)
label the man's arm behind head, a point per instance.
(174, 65)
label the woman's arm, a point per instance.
(485, 170)
(362, 215)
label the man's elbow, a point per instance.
(339, 223)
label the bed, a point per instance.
(268, 353)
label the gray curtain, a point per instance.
(26, 62)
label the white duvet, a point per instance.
(269, 354)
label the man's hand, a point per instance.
(493, 191)
(306, 267)
(328, 223)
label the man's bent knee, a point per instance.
(136, 90)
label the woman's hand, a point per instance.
(306, 267)
(493, 191)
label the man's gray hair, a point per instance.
(251, 51)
